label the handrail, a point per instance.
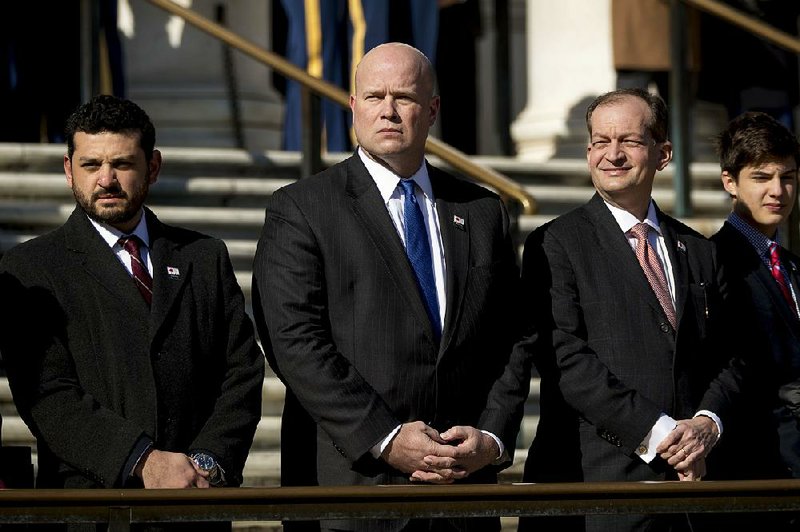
(450, 155)
(123, 507)
(744, 21)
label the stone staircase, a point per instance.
(222, 192)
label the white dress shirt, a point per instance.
(387, 183)
(112, 235)
(664, 425)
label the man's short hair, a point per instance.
(754, 138)
(658, 122)
(104, 113)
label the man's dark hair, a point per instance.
(754, 138)
(657, 124)
(111, 114)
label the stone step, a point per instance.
(200, 191)
(263, 466)
(704, 225)
(179, 161)
(182, 161)
(240, 192)
(49, 214)
(557, 199)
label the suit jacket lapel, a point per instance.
(368, 206)
(615, 244)
(455, 240)
(100, 264)
(787, 313)
(754, 270)
(764, 277)
(171, 271)
(676, 251)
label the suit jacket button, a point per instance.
(664, 327)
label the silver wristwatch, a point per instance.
(206, 462)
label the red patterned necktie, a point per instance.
(777, 274)
(140, 274)
(653, 271)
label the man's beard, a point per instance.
(121, 213)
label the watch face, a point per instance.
(204, 461)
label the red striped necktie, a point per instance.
(141, 276)
(777, 273)
(649, 262)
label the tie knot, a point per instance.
(640, 230)
(408, 187)
(774, 253)
(131, 244)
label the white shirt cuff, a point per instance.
(377, 449)
(647, 449)
(501, 456)
(714, 418)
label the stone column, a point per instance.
(179, 75)
(569, 63)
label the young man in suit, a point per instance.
(132, 367)
(383, 294)
(759, 158)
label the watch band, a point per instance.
(206, 462)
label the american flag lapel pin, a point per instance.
(681, 246)
(458, 221)
(173, 272)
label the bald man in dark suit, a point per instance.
(375, 358)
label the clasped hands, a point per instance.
(442, 458)
(685, 448)
(439, 458)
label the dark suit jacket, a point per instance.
(609, 361)
(344, 326)
(93, 370)
(772, 334)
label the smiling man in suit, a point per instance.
(759, 160)
(384, 295)
(134, 366)
(625, 304)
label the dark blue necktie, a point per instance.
(419, 253)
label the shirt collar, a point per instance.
(112, 235)
(626, 220)
(386, 180)
(756, 238)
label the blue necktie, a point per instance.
(419, 253)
